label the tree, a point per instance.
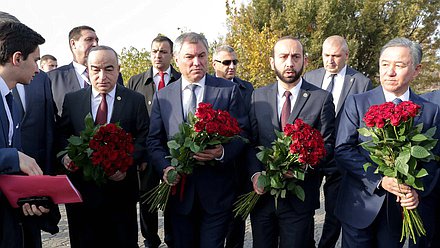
(366, 24)
(133, 61)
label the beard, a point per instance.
(289, 80)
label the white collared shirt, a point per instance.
(186, 92)
(156, 77)
(338, 84)
(4, 91)
(281, 98)
(389, 97)
(80, 69)
(96, 100)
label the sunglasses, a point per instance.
(228, 62)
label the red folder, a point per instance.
(59, 188)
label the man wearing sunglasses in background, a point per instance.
(225, 65)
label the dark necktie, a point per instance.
(332, 83)
(397, 101)
(162, 80)
(285, 111)
(19, 103)
(86, 74)
(101, 115)
(192, 103)
(9, 101)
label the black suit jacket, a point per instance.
(315, 107)
(144, 84)
(130, 112)
(64, 80)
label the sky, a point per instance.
(118, 23)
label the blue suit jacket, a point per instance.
(38, 122)
(315, 107)
(212, 184)
(359, 200)
(433, 97)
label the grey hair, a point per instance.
(339, 39)
(223, 48)
(414, 47)
(190, 37)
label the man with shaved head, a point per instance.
(341, 80)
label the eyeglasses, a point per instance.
(227, 62)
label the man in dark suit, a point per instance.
(346, 81)
(225, 65)
(107, 216)
(290, 223)
(201, 218)
(147, 83)
(74, 76)
(369, 204)
(18, 64)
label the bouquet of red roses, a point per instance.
(397, 147)
(299, 148)
(208, 127)
(100, 151)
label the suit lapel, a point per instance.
(272, 94)
(301, 100)
(175, 96)
(416, 99)
(348, 83)
(72, 79)
(19, 102)
(118, 104)
(211, 92)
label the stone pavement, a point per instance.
(61, 239)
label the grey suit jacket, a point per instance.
(354, 83)
(144, 84)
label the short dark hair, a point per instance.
(6, 17)
(17, 37)
(163, 38)
(75, 33)
(47, 57)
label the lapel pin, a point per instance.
(305, 94)
(118, 98)
(149, 102)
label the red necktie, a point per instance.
(285, 111)
(162, 80)
(101, 115)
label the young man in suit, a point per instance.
(201, 218)
(225, 66)
(147, 83)
(74, 76)
(369, 204)
(290, 223)
(107, 217)
(18, 64)
(341, 80)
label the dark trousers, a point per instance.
(384, 232)
(11, 233)
(199, 228)
(104, 226)
(149, 179)
(279, 227)
(332, 227)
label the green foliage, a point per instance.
(133, 61)
(366, 24)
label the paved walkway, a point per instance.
(61, 239)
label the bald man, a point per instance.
(341, 80)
